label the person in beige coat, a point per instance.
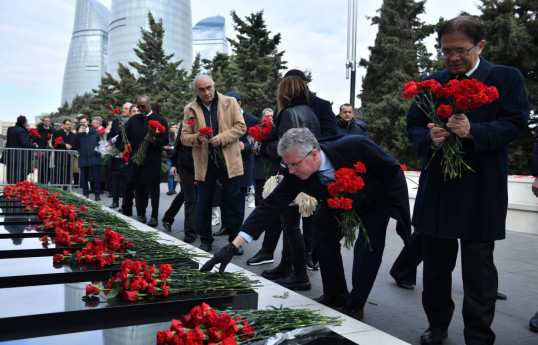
(217, 157)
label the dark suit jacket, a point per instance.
(324, 112)
(136, 129)
(246, 154)
(384, 192)
(535, 157)
(472, 207)
(66, 138)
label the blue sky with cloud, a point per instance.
(36, 36)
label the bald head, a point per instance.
(204, 87)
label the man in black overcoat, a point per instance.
(62, 160)
(384, 196)
(18, 163)
(147, 176)
(471, 208)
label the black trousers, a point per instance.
(292, 239)
(141, 198)
(187, 197)
(404, 268)
(480, 284)
(326, 238)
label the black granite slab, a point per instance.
(36, 311)
(30, 247)
(32, 230)
(19, 220)
(43, 271)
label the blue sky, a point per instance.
(36, 36)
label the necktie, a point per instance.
(462, 76)
(324, 179)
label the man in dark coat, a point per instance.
(63, 171)
(46, 130)
(384, 196)
(533, 323)
(346, 123)
(89, 160)
(471, 208)
(147, 176)
(18, 163)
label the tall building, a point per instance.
(128, 16)
(209, 37)
(87, 57)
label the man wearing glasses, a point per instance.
(471, 208)
(310, 167)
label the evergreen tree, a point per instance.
(395, 59)
(512, 40)
(254, 68)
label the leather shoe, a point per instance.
(433, 336)
(501, 296)
(281, 271)
(295, 282)
(125, 212)
(357, 314)
(239, 251)
(333, 300)
(405, 285)
(167, 225)
(533, 323)
(206, 247)
(221, 232)
(189, 238)
(142, 219)
(97, 198)
(262, 257)
(153, 222)
(310, 263)
(113, 205)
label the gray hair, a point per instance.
(201, 77)
(143, 97)
(300, 139)
(98, 119)
(267, 109)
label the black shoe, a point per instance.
(142, 219)
(533, 323)
(433, 336)
(153, 222)
(189, 238)
(280, 271)
(310, 264)
(405, 285)
(97, 198)
(357, 314)
(262, 257)
(222, 231)
(295, 282)
(127, 213)
(501, 296)
(333, 300)
(169, 192)
(113, 205)
(206, 247)
(167, 225)
(239, 251)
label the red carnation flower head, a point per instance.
(444, 110)
(116, 111)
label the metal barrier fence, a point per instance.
(43, 166)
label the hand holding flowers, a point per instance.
(154, 128)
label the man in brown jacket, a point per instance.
(217, 156)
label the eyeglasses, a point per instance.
(295, 165)
(141, 106)
(445, 53)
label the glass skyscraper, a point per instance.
(87, 57)
(128, 16)
(209, 37)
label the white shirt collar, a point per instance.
(473, 69)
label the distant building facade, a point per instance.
(209, 37)
(88, 51)
(128, 16)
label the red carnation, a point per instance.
(207, 131)
(115, 111)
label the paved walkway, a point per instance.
(399, 312)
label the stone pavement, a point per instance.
(399, 312)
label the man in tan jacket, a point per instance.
(217, 156)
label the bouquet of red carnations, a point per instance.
(261, 131)
(348, 182)
(154, 128)
(461, 96)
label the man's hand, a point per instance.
(167, 147)
(173, 171)
(67, 146)
(224, 256)
(437, 134)
(215, 141)
(150, 138)
(459, 124)
(241, 146)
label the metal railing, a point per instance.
(43, 166)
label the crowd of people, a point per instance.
(215, 161)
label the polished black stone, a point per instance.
(35, 311)
(32, 230)
(29, 247)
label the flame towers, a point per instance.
(102, 39)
